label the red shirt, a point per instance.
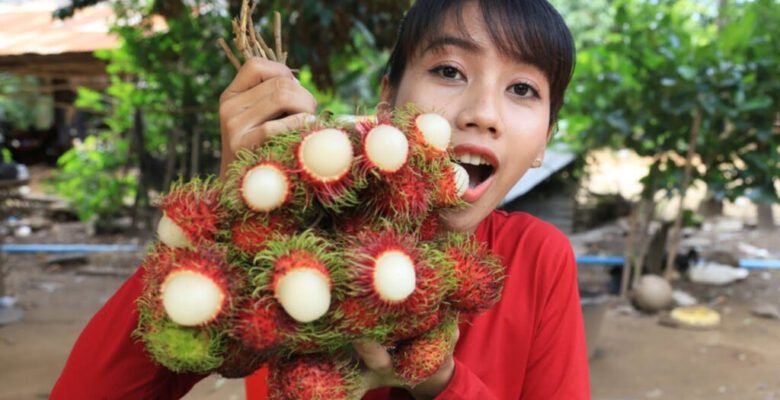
(531, 345)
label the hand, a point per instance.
(263, 100)
(380, 373)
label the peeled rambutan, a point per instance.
(200, 286)
(478, 273)
(325, 161)
(384, 149)
(452, 181)
(303, 269)
(382, 266)
(191, 213)
(314, 377)
(434, 281)
(264, 179)
(419, 358)
(429, 133)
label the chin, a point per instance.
(465, 220)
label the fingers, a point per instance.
(374, 355)
(259, 134)
(255, 71)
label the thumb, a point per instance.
(374, 355)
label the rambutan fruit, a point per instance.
(303, 269)
(429, 228)
(200, 286)
(428, 133)
(315, 377)
(418, 359)
(451, 183)
(180, 348)
(265, 186)
(355, 317)
(478, 272)
(249, 236)
(412, 325)
(262, 325)
(405, 197)
(385, 149)
(264, 179)
(240, 361)
(434, 280)
(325, 160)
(191, 213)
(382, 268)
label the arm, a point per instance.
(106, 363)
(557, 363)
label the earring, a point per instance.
(537, 163)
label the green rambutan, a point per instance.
(478, 272)
(191, 213)
(182, 349)
(418, 359)
(315, 377)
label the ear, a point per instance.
(386, 94)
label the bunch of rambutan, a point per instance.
(314, 240)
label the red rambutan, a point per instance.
(191, 213)
(314, 377)
(419, 358)
(478, 273)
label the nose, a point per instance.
(479, 111)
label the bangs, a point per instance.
(528, 31)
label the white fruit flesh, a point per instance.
(387, 148)
(435, 129)
(265, 188)
(394, 276)
(461, 179)
(327, 154)
(191, 298)
(304, 294)
(170, 233)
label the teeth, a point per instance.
(473, 159)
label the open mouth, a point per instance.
(481, 165)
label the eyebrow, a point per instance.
(440, 42)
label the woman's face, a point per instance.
(499, 109)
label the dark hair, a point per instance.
(531, 31)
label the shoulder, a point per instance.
(521, 232)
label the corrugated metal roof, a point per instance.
(29, 28)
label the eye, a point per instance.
(447, 72)
(523, 90)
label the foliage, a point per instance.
(660, 65)
(21, 104)
(161, 106)
(91, 176)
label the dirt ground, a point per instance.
(636, 357)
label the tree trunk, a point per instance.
(686, 181)
(766, 218)
(170, 158)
